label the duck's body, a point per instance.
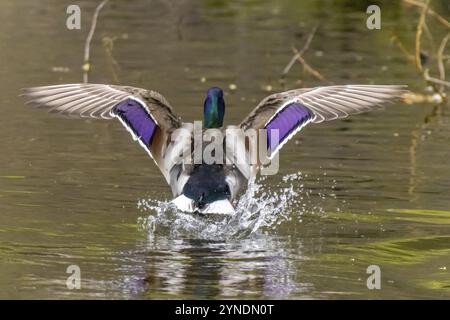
(200, 184)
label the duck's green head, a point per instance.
(214, 108)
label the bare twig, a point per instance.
(438, 85)
(87, 45)
(308, 40)
(430, 37)
(308, 68)
(420, 27)
(179, 23)
(300, 53)
(435, 80)
(440, 58)
(401, 46)
(113, 65)
(430, 11)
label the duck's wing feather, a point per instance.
(144, 113)
(289, 111)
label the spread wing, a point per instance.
(289, 111)
(145, 114)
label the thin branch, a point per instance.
(435, 80)
(179, 23)
(419, 31)
(430, 11)
(308, 68)
(430, 37)
(308, 40)
(87, 45)
(300, 53)
(401, 46)
(440, 58)
(113, 65)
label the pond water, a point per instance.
(369, 190)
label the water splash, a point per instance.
(262, 207)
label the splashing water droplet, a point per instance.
(261, 206)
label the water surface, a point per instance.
(373, 189)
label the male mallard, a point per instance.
(207, 187)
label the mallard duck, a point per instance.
(151, 121)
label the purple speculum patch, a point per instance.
(137, 119)
(286, 121)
